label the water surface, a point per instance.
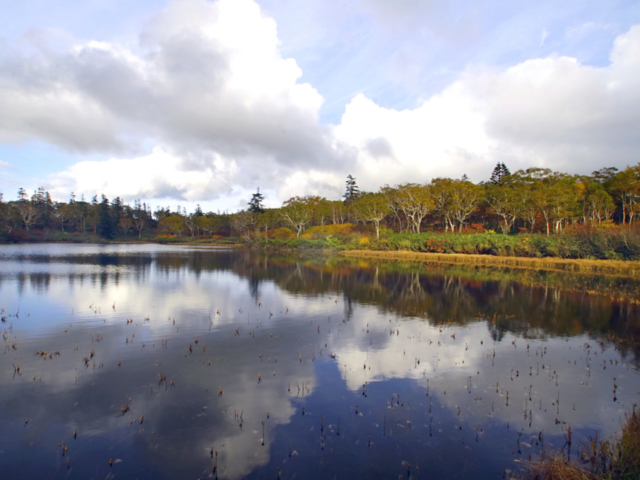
(180, 362)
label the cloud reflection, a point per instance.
(275, 335)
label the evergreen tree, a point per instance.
(352, 190)
(106, 227)
(43, 202)
(499, 173)
(255, 205)
(117, 209)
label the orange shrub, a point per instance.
(473, 228)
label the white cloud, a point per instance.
(552, 112)
(208, 87)
(160, 174)
(207, 83)
(443, 137)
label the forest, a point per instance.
(533, 212)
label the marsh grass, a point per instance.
(546, 263)
(599, 459)
(605, 242)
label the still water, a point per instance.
(150, 361)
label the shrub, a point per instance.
(282, 233)
(473, 228)
(324, 231)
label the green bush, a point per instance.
(577, 242)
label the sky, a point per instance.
(185, 102)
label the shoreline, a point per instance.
(628, 267)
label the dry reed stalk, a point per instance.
(555, 468)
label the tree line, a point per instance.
(531, 200)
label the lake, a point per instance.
(150, 361)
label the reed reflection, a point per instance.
(234, 364)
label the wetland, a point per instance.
(152, 361)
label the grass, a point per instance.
(616, 287)
(610, 249)
(548, 263)
(600, 459)
(556, 468)
(615, 248)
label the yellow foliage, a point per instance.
(282, 233)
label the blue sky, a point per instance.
(189, 101)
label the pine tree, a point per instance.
(352, 190)
(255, 205)
(105, 226)
(117, 209)
(499, 173)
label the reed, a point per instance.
(601, 459)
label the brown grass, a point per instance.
(556, 468)
(631, 268)
(602, 459)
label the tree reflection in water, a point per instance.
(450, 370)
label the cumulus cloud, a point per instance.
(206, 81)
(550, 112)
(444, 136)
(208, 87)
(206, 73)
(160, 174)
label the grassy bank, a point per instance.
(600, 459)
(581, 242)
(548, 263)
(610, 250)
(615, 249)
